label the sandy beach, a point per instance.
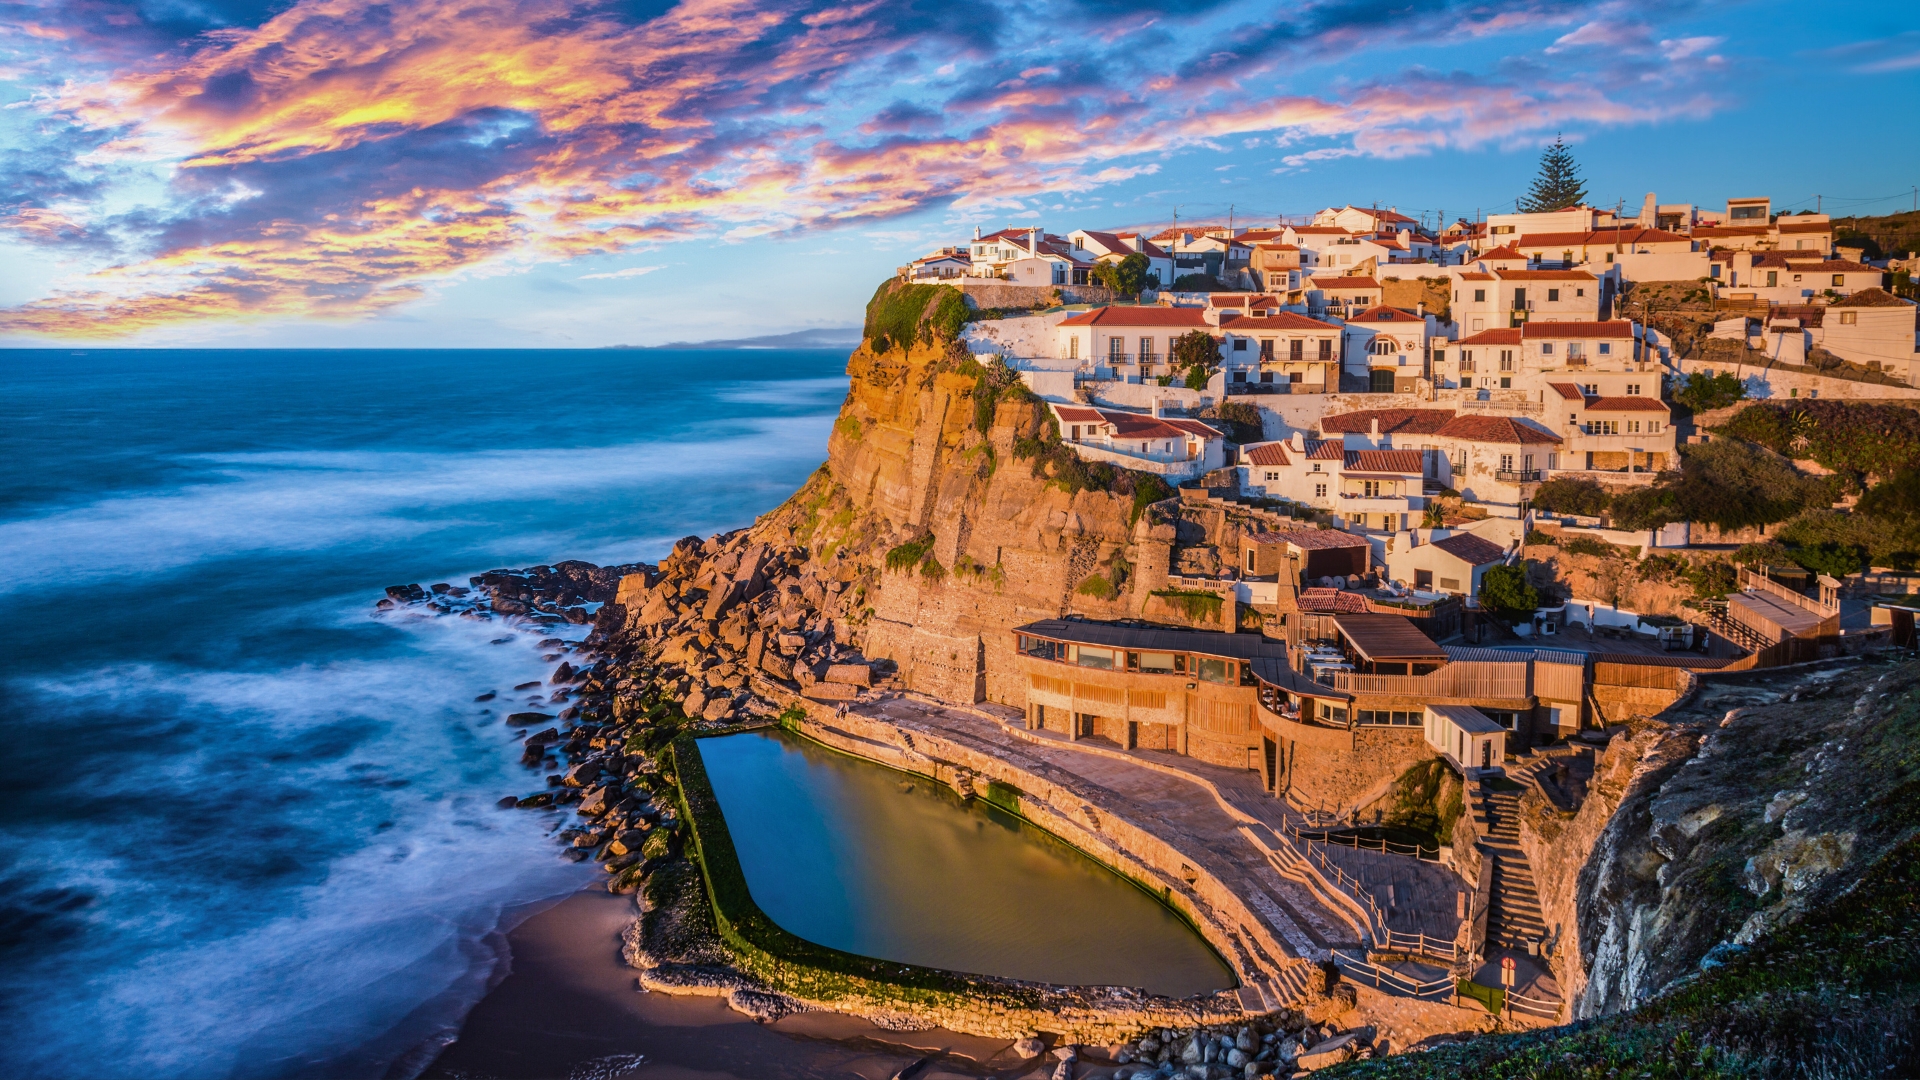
(568, 1007)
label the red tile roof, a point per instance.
(1326, 450)
(1569, 391)
(1806, 226)
(1505, 251)
(1730, 230)
(1386, 314)
(1544, 275)
(1385, 461)
(1392, 421)
(1332, 600)
(1475, 275)
(1140, 316)
(1075, 415)
(1315, 539)
(1496, 429)
(1274, 320)
(1195, 427)
(1619, 328)
(1627, 235)
(1467, 547)
(1319, 230)
(1344, 283)
(1272, 453)
(1626, 404)
(1505, 335)
(1242, 300)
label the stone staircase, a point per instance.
(1513, 913)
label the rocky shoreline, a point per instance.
(728, 633)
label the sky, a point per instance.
(547, 173)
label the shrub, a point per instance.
(1663, 568)
(932, 570)
(1198, 605)
(1896, 499)
(1724, 484)
(1712, 580)
(995, 382)
(1241, 421)
(1098, 587)
(1702, 392)
(1587, 545)
(1876, 440)
(908, 555)
(1505, 589)
(1535, 537)
(1833, 559)
(1147, 490)
(1764, 553)
(1196, 283)
(1572, 495)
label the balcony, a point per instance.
(1354, 502)
(1517, 476)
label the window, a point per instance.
(1450, 584)
(1848, 318)
(1633, 389)
(1591, 389)
(1319, 491)
(1326, 348)
(1466, 382)
(1116, 349)
(1576, 349)
(1546, 348)
(1839, 279)
(1040, 648)
(1633, 427)
(1163, 662)
(1239, 344)
(1146, 350)
(1296, 350)
(1073, 348)
(1601, 427)
(1553, 294)
(1088, 656)
(1713, 271)
(1773, 277)
(1606, 348)
(1506, 360)
(1583, 292)
(1214, 671)
(1370, 488)
(1439, 356)
(1653, 427)
(1506, 462)
(1480, 296)
(1381, 347)
(1272, 474)
(1506, 383)
(1316, 466)
(1295, 376)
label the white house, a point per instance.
(1388, 347)
(1495, 461)
(1335, 294)
(1451, 564)
(1872, 326)
(1131, 342)
(1778, 277)
(1273, 351)
(1466, 737)
(1623, 433)
(1166, 446)
(1485, 300)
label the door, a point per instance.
(1133, 734)
(1267, 755)
(1381, 381)
(1486, 753)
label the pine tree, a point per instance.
(1558, 186)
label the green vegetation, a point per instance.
(1721, 483)
(1537, 538)
(1588, 545)
(1147, 490)
(1197, 353)
(1197, 283)
(901, 315)
(1425, 799)
(1239, 420)
(1558, 186)
(1198, 605)
(1507, 592)
(1572, 495)
(1702, 392)
(848, 426)
(910, 554)
(994, 382)
(1858, 440)
(1098, 587)
(1127, 277)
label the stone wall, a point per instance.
(992, 295)
(1326, 768)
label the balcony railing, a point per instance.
(1517, 476)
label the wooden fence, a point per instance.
(1639, 675)
(1473, 679)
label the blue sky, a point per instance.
(553, 173)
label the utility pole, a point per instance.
(1816, 204)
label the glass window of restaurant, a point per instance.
(1161, 663)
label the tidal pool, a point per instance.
(859, 857)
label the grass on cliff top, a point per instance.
(901, 315)
(1835, 994)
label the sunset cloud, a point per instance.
(340, 158)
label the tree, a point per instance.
(1702, 392)
(1723, 483)
(1571, 495)
(1558, 186)
(1126, 277)
(1505, 590)
(1197, 353)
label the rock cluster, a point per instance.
(1275, 1045)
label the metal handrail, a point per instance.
(1436, 988)
(1533, 1006)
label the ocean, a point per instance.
(247, 826)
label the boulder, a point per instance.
(508, 803)
(598, 801)
(543, 798)
(1029, 1047)
(1333, 1051)
(718, 708)
(850, 674)
(385, 603)
(550, 735)
(831, 692)
(776, 666)
(406, 594)
(440, 588)
(527, 719)
(586, 772)
(696, 702)
(563, 673)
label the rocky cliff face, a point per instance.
(1760, 796)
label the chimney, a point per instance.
(1300, 442)
(1033, 241)
(1420, 309)
(1373, 428)
(1649, 211)
(976, 232)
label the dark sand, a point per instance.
(569, 1009)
